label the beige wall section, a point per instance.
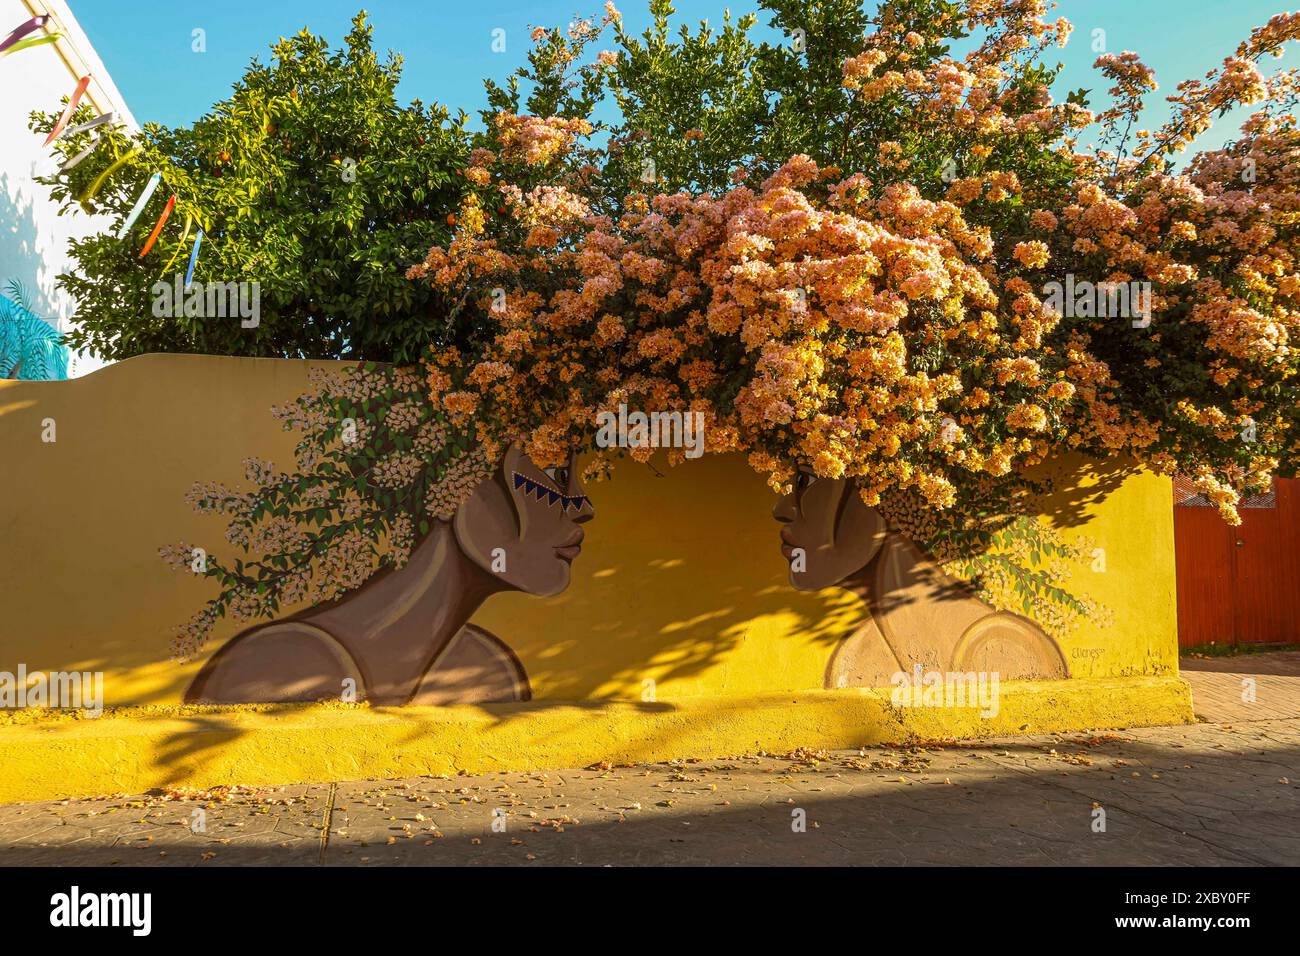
(681, 581)
(84, 586)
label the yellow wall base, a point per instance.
(139, 749)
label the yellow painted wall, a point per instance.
(139, 749)
(681, 580)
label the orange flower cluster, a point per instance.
(793, 316)
(535, 140)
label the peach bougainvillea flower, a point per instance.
(920, 326)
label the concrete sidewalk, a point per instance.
(1224, 793)
(1205, 794)
(1222, 687)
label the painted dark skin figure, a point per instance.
(404, 637)
(918, 613)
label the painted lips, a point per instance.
(786, 547)
(567, 552)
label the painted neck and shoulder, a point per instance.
(917, 613)
(518, 530)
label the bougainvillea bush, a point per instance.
(875, 305)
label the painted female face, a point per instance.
(525, 524)
(828, 533)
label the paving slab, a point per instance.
(1244, 687)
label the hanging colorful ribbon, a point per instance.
(31, 42)
(140, 203)
(99, 120)
(189, 224)
(153, 236)
(194, 258)
(77, 94)
(17, 33)
(93, 189)
(75, 161)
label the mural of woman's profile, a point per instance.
(918, 614)
(403, 637)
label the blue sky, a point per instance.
(146, 44)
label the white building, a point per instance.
(33, 237)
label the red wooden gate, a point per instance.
(1238, 585)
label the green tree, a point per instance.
(696, 106)
(310, 179)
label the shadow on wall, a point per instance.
(1085, 488)
(21, 257)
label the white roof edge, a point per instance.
(79, 56)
